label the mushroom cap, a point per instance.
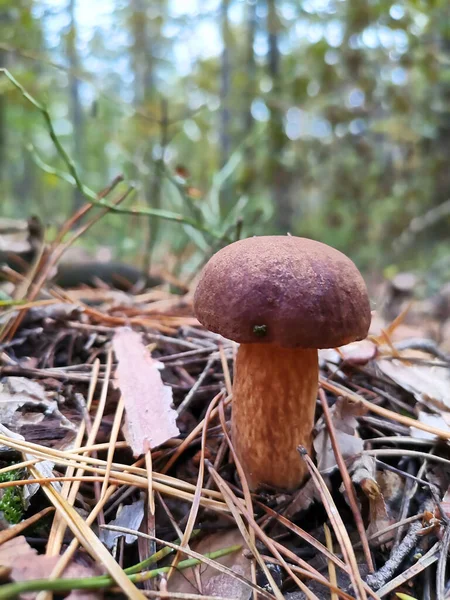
(286, 290)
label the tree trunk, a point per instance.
(76, 110)
(225, 85)
(279, 177)
(225, 117)
(249, 95)
(3, 130)
(141, 53)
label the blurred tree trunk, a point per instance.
(225, 81)
(249, 94)
(225, 75)
(147, 37)
(76, 111)
(3, 129)
(279, 177)
(141, 53)
(442, 192)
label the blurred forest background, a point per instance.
(324, 118)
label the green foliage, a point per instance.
(11, 498)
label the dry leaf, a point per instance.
(150, 418)
(44, 468)
(130, 517)
(358, 353)
(213, 582)
(441, 421)
(379, 520)
(343, 414)
(377, 487)
(426, 383)
(26, 564)
(23, 401)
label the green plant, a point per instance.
(11, 498)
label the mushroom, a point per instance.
(281, 298)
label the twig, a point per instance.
(427, 559)
(442, 564)
(379, 578)
(419, 224)
(185, 403)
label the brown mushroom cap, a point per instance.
(288, 290)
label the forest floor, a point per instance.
(117, 478)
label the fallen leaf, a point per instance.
(25, 402)
(150, 418)
(26, 564)
(426, 383)
(343, 415)
(44, 468)
(377, 487)
(379, 520)
(302, 499)
(441, 421)
(213, 582)
(358, 353)
(130, 517)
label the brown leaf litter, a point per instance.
(389, 416)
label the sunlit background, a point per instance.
(323, 118)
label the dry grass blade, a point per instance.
(244, 532)
(226, 370)
(70, 552)
(198, 488)
(207, 561)
(55, 254)
(346, 480)
(331, 566)
(338, 527)
(189, 439)
(90, 541)
(112, 441)
(442, 564)
(340, 390)
(180, 595)
(69, 457)
(240, 470)
(233, 504)
(162, 483)
(307, 537)
(412, 453)
(305, 573)
(15, 530)
(304, 568)
(276, 547)
(70, 491)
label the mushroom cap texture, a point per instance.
(286, 290)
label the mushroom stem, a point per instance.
(274, 400)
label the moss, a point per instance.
(11, 498)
